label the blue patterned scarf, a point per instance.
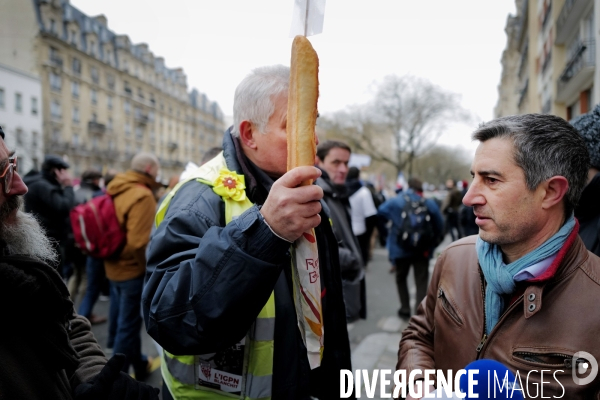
(499, 276)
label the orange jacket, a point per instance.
(135, 206)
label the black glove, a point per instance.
(111, 383)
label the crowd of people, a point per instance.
(247, 279)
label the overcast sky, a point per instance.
(456, 44)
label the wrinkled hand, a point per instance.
(291, 210)
(111, 384)
(63, 176)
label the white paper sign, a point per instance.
(307, 18)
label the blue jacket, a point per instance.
(392, 209)
(206, 283)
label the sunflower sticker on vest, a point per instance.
(230, 185)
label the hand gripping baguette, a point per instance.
(302, 105)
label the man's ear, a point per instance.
(247, 132)
(555, 190)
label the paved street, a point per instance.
(374, 341)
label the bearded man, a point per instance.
(47, 351)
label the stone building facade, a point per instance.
(549, 63)
(105, 98)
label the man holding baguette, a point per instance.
(222, 293)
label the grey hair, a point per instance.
(254, 96)
(140, 161)
(544, 146)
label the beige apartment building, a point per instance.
(104, 98)
(549, 63)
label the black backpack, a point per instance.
(416, 233)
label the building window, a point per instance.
(139, 133)
(75, 89)
(94, 74)
(55, 109)
(55, 81)
(76, 115)
(127, 88)
(127, 129)
(93, 48)
(34, 140)
(127, 107)
(18, 102)
(109, 102)
(95, 143)
(19, 132)
(94, 117)
(109, 124)
(75, 139)
(52, 26)
(34, 106)
(140, 94)
(55, 135)
(1, 98)
(76, 66)
(53, 56)
(94, 96)
(110, 80)
(74, 37)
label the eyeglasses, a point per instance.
(7, 176)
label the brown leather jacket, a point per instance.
(541, 330)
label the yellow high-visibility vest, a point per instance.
(182, 373)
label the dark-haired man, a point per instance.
(332, 159)
(525, 291)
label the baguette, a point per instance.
(302, 105)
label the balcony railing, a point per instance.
(96, 128)
(578, 72)
(568, 19)
(585, 56)
(142, 119)
(172, 146)
(56, 61)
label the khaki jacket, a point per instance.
(135, 206)
(541, 330)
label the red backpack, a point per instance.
(96, 228)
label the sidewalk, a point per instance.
(375, 341)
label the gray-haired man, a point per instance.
(525, 291)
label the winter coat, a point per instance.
(588, 215)
(135, 206)
(50, 203)
(351, 263)
(392, 210)
(207, 282)
(46, 350)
